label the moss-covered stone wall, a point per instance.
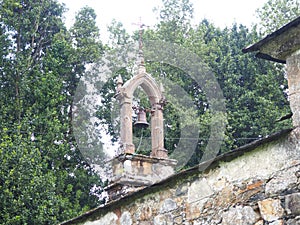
(247, 187)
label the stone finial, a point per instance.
(141, 62)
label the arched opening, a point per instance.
(155, 96)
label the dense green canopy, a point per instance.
(44, 178)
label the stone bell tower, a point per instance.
(157, 101)
(132, 171)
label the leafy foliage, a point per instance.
(254, 89)
(276, 13)
(44, 178)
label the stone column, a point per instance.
(126, 125)
(293, 75)
(157, 133)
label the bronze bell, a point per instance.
(141, 119)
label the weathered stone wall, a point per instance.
(247, 187)
(293, 77)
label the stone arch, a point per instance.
(147, 83)
(155, 95)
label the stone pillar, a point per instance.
(293, 75)
(157, 132)
(126, 125)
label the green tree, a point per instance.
(276, 13)
(44, 177)
(118, 35)
(174, 20)
(254, 89)
(86, 36)
(254, 97)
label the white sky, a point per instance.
(221, 12)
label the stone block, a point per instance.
(178, 220)
(168, 205)
(219, 183)
(225, 197)
(270, 209)
(293, 222)
(145, 223)
(292, 204)
(181, 190)
(281, 182)
(194, 209)
(108, 219)
(126, 218)
(260, 222)
(140, 170)
(162, 220)
(277, 222)
(159, 220)
(199, 190)
(240, 215)
(252, 188)
(145, 213)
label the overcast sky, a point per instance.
(221, 12)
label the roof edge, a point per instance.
(256, 46)
(268, 57)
